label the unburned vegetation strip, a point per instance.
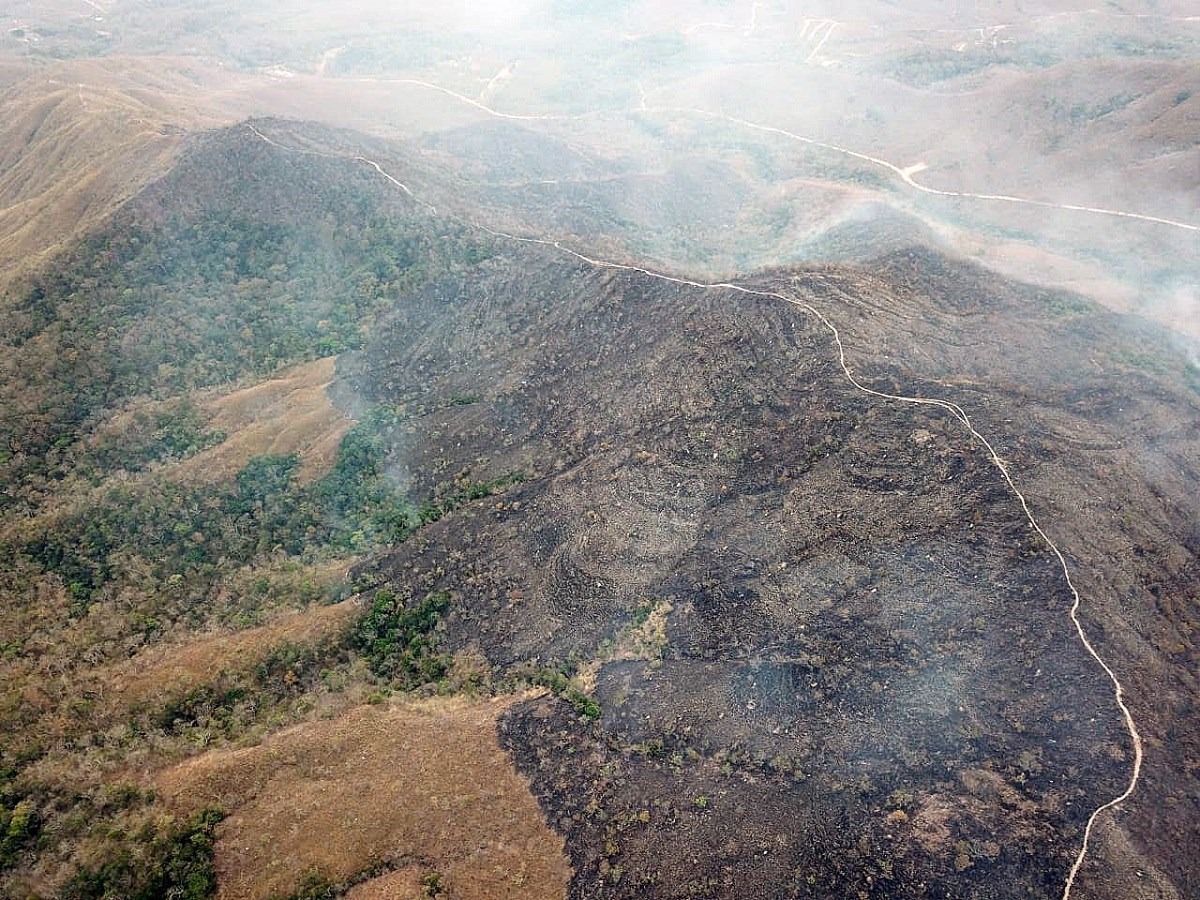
(154, 558)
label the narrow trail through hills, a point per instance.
(905, 174)
(948, 406)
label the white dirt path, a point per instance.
(904, 174)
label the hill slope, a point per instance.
(790, 638)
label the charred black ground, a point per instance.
(866, 680)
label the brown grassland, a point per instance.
(422, 786)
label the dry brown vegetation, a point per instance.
(423, 785)
(165, 670)
(80, 138)
(108, 695)
(288, 414)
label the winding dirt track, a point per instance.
(904, 174)
(952, 408)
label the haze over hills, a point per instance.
(1079, 107)
(651, 449)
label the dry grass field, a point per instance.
(171, 670)
(421, 786)
(291, 413)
